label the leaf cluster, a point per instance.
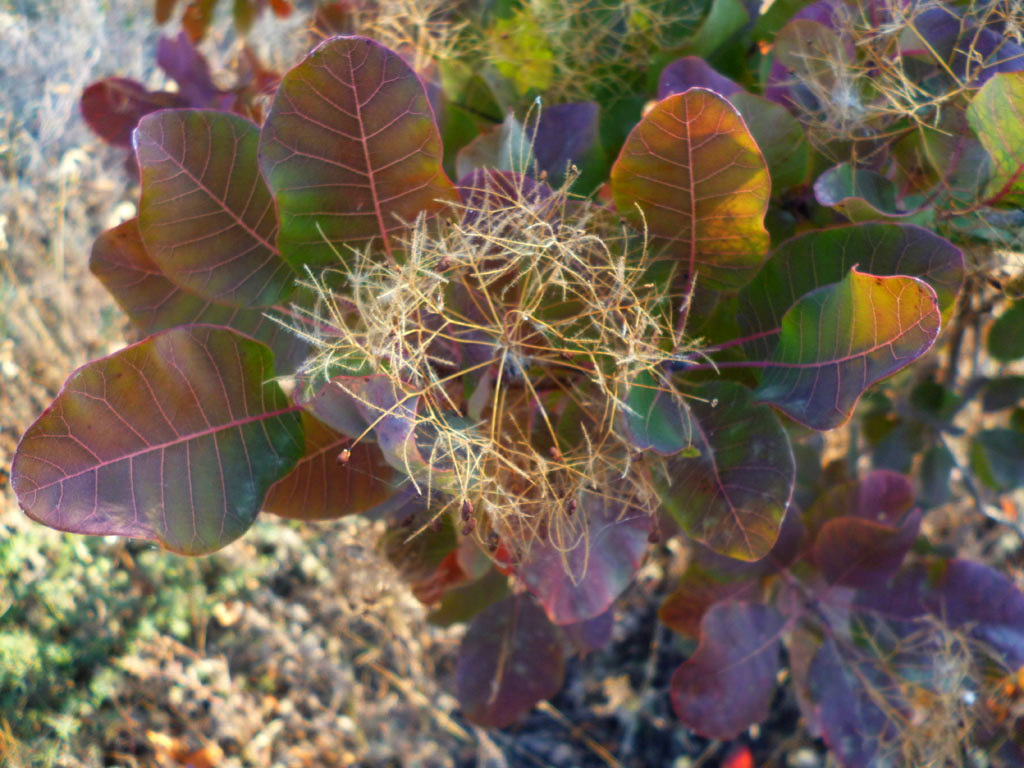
(538, 339)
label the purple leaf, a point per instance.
(487, 189)
(853, 701)
(112, 107)
(321, 487)
(732, 497)
(840, 339)
(153, 303)
(206, 214)
(579, 578)
(510, 658)
(712, 578)
(728, 683)
(351, 152)
(821, 257)
(175, 439)
(188, 68)
(566, 135)
(693, 72)
(965, 595)
(592, 634)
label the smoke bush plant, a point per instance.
(533, 387)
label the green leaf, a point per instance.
(997, 458)
(996, 115)
(350, 152)
(175, 439)
(506, 147)
(1005, 336)
(691, 173)
(840, 339)
(733, 497)
(818, 258)
(657, 417)
(725, 18)
(857, 193)
(780, 137)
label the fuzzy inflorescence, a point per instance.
(511, 332)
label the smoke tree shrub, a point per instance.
(534, 388)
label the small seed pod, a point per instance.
(492, 541)
(344, 456)
(570, 507)
(468, 527)
(467, 510)
(555, 453)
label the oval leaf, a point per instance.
(811, 260)
(732, 497)
(996, 115)
(350, 151)
(153, 303)
(174, 439)
(657, 417)
(321, 487)
(580, 580)
(112, 107)
(840, 339)
(510, 658)
(728, 683)
(858, 193)
(856, 552)
(206, 214)
(693, 175)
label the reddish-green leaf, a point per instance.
(691, 173)
(840, 339)
(811, 260)
(578, 579)
(510, 658)
(321, 486)
(112, 107)
(996, 114)
(858, 552)
(732, 497)
(882, 496)
(728, 683)
(163, 10)
(153, 303)
(206, 214)
(350, 151)
(174, 439)
(197, 18)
